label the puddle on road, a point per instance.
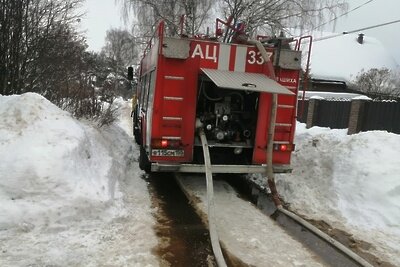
(184, 240)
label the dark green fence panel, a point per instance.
(333, 114)
(382, 116)
(302, 110)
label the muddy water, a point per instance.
(184, 240)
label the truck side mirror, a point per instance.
(130, 73)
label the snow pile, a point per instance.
(351, 181)
(69, 193)
(328, 95)
(46, 154)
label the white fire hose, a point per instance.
(210, 203)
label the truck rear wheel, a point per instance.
(136, 135)
(136, 132)
(144, 163)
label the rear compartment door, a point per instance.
(245, 81)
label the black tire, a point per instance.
(136, 132)
(144, 163)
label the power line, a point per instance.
(344, 14)
(358, 30)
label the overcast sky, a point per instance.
(101, 15)
(104, 14)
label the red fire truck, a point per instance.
(225, 89)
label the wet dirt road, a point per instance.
(184, 240)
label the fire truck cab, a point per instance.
(186, 84)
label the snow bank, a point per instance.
(46, 154)
(351, 181)
(70, 194)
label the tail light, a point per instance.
(284, 147)
(164, 143)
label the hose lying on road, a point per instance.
(210, 203)
(349, 253)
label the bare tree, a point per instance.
(378, 83)
(396, 82)
(197, 14)
(121, 46)
(260, 16)
(59, 64)
(27, 28)
(121, 50)
(41, 51)
(149, 12)
(273, 16)
(12, 25)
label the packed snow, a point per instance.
(72, 194)
(244, 230)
